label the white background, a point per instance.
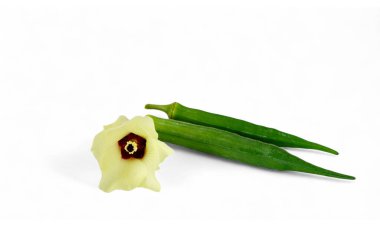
(66, 69)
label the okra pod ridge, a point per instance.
(235, 147)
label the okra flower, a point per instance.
(128, 153)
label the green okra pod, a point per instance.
(268, 135)
(235, 147)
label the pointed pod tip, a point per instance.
(343, 176)
(327, 149)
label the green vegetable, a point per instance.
(268, 135)
(235, 147)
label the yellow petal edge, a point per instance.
(127, 174)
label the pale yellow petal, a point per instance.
(152, 183)
(126, 175)
(107, 160)
(118, 122)
(109, 137)
(105, 145)
(155, 152)
(164, 150)
(105, 138)
(151, 157)
(143, 126)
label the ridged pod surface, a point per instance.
(235, 147)
(179, 112)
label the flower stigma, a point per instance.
(132, 146)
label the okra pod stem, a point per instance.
(268, 135)
(235, 147)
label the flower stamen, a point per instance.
(132, 146)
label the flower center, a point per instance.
(132, 146)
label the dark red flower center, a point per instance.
(132, 146)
